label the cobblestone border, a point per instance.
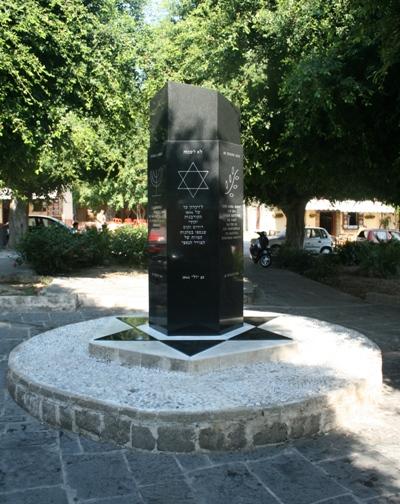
(58, 302)
(183, 432)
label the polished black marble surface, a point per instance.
(258, 334)
(257, 321)
(184, 112)
(128, 335)
(195, 213)
(193, 347)
(133, 334)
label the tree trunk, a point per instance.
(140, 212)
(294, 212)
(258, 216)
(18, 221)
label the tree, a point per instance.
(304, 76)
(380, 24)
(69, 92)
(126, 190)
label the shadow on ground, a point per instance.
(40, 465)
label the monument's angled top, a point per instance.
(185, 112)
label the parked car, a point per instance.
(374, 235)
(34, 221)
(316, 240)
(395, 234)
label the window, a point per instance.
(39, 205)
(351, 220)
(313, 233)
(381, 236)
(41, 222)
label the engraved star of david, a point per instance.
(193, 180)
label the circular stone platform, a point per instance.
(332, 374)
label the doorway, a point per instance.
(327, 220)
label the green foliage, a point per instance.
(125, 189)
(317, 267)
(128, 245)
(381, 260)
(319, 115)
(54, 250)
(294, 259)
(91, 248)
(49, 250)
(324, 266)
(70, 104)
(375, 260)
(350, 253)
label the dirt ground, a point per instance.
(357, 285)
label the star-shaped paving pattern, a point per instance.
(193, 347)
(193, 180)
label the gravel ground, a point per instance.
(60, 359)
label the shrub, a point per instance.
(128, 244)
(311, 265)
(350, 253)
(323, 266)
(380, 260)
(294, 259)
(91, 247)
(56, 250)
(49, 250)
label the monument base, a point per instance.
(312, 389)
(138, 344)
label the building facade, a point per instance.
(342, 219)
(60, 207)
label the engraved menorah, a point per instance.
(156, 178)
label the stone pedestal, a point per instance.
(195, 172)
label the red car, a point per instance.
(374, 235)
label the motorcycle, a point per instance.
(260, 251)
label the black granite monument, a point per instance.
(195, 180)
(195, 175)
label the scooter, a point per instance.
(260, 251)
